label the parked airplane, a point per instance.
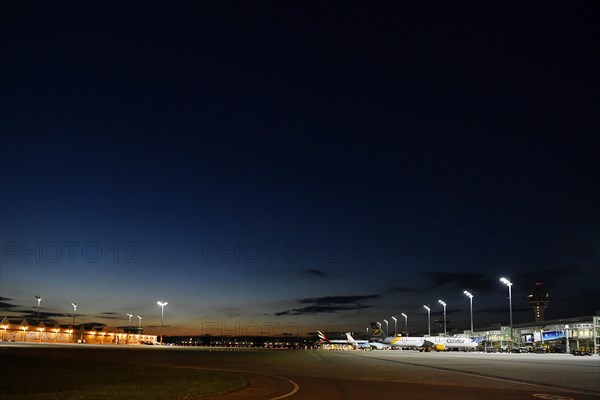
(438, 343)
(349, 340)
(366, 344)
(441, 343)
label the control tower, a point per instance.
(538, 298)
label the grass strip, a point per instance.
(25, 378)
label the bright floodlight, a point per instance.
(444, 305)
(39, 299)
(162, 305)
(508, 283)
(74, 309)
(404, 315)
(428, 320)
(470, 295)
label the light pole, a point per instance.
(428, 320)
(74, 309)
(39, 299)
(128, 327)
(162, 305)
(508, 283)
(386, 327)
(443, 304)
(405, 323)
(139, 322)
(470, 295)
(395, 325)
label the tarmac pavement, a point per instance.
(312, 374)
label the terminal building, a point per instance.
(25, 331)
(553, 336)
(560, 335)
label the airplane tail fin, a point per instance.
(322, 336)
(349, 337)
(377, 331)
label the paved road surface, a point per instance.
(331, 375)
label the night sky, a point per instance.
(270, 167)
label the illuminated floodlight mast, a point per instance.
(162, 305)
(128, 326)
(428, 319)
(39, 300)
(470, 295)
(405, 323)
(508, 283)
(395, 325)
(386, 327)
(139, 321)
(74, 309)
(443, 304)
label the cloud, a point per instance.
(44, 316)
(316, 272)
(504, 309)
(461, 280)
(403, 289)
(328, 300)
(584, 295)
(32, 315)
(448, 311)
(329, 304)
(90, 325)
(6, 305)
(320, 309)
(548, 276)
(110, 315)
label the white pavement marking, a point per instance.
(292, 392)
(508, 380)
(296, 388)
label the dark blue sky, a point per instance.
(298, 166)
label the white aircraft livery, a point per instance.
(438, 343)
(349, 340)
